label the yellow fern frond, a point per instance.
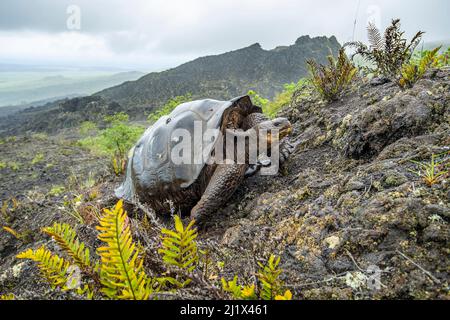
(179, 247)
(7, 297)
(287, 296)
(53, 268)
(121, 270)
(268, 276)
(67, 239)
(12, 232)
(239, 291)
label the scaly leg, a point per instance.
(223, 183)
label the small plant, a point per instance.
(239, 292)
(414, 70)
(281, 100)
(12, 232)
(7, 297)
(388, 52)
(433, 171)
(37, 159)
(8, 208)
(179, 248)
(115, 141)
(270, 285)
(331, 80)
(3, 165)
(72, 207)
(14, 166)
(444, 58)
(56, 191)
(169, 106)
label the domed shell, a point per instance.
(150, 165)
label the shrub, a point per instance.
(331, 80)
(115, 141)
(169, 106)
(415, 69)
(257, 100)
(281, 100)
(388, 52)
(88, 128)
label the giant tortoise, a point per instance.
(197, 187)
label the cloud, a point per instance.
(157, 34)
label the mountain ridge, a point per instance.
(227, 74)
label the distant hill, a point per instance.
(18, 90)
(226, 75)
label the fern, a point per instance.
(66, 238)
(52, 267)
(179, 247)
(268, 276)
(270, 287)
(286, 296)
(9, 296)
(414, 70)
(239, 291)
(331, 80)
(375, 38)
(388, 52)
(13, 232)
(121, 270)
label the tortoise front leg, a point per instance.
(223, 183)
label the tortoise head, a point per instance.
(282, 126)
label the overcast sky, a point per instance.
(157, 34)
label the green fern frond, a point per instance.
(268, 275)
(67, 239)
(179, 247)
(414, 70)
(121, 270)
(239, 291)
(52, 267)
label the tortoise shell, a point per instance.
(150, 166)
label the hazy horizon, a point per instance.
(156, 35)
